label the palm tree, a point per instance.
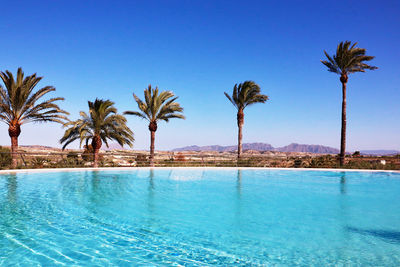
(102, 124)
(156, 107)
(19, 105)
(348, 59)
(243, 95)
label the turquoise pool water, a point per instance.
(200, 217)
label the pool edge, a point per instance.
(44, 170)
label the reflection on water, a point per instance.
(14, 213)
(238, 202)
(343, 189)
(11, 184)
(95, 180)
(150, 197)
(343, 216)
(239, 183)
(390, 236)
(151, 182)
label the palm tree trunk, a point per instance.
(96, 158)
(240, 121)
(14, 154)
(152, 139)
(152, 129)
(240, 136)
(96, 145)
(14, 130)
(343, 79)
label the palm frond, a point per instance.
(230, 99)
(102, 121)
(136, 113)
(245, 94)
(157, 105)
(19, 101)
(348, 59)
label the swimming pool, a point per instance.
(201, 217)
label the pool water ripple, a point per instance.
(200, 217)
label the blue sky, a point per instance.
(199, 49)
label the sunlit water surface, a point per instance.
(201, 217)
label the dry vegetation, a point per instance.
(44, 157)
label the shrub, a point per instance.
(326, 161)
(5, 157)
(141, 160)
(72, 158)
(87, 154)
(180, 157)
(297, 163)
(39, 162)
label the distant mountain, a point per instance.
(247, 146)
(201, 148)
(264, 147)
(37, 146)
(113, 146)
(379, 152)
(318, 149)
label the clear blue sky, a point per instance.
(199, 49)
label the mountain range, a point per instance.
(318, 149)
(247, 146)
(264, 147)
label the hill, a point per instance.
(318, 149)
(247, 146)
(379, 152)
(264, 147)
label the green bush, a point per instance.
(141, 160)
(326, 161)
(39, 162)
(73, 159)
(5, 157)
(87, 154)
(297, 163)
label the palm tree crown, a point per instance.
(157, 106)
(18, 102)
(103, 122)
(348, 59)
(245, 94)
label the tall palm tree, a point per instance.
(102, 124)
(19, 105)
(156, 107)
(243, 95)
(348, 59)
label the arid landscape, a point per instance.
(48, 157)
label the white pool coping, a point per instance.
(45, 170)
